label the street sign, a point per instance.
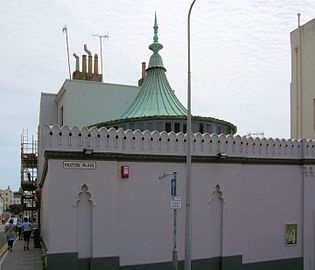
(176, 202)
(173, 187)
(83, 165)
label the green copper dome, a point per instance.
(156, 97)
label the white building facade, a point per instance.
(103, 207)
(252, 208)
(1, 205)
(9, 198)
(303, 81)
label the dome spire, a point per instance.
(155, 27)
(155, 46)
(156, 97)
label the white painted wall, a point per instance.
(101, 184)
(87, 102)
(132, 218)
(271, 197)
(302, 81)
(102, 101)
(308, 187)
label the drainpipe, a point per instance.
(300, 75)
(303, 200)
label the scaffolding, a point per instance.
(29, 201)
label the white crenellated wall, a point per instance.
(56, 138)
(120, 141)
(239, 208)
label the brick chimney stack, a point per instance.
(95, 64)
(83, 63)
(143, 68)
(87, 68)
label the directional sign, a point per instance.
(173, 187)
(176, 202)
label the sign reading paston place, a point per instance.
(85, 165)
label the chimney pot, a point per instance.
(90, 65)
(95, 64)
(84, 64)
(143, 70)
(77, 62)
(142, 74)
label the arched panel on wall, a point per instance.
(216, 220)
(84, 215)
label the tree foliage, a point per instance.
(15, 209)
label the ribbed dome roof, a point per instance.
(156, 97)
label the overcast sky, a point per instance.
(240, 55)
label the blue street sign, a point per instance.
(173, 187)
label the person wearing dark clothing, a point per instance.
(27, 230)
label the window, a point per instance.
(201, 128)
(132, 126)
(184, 128)
(214, 129)
(159, 125)
(139, 125)
(149, 126)
(177, 127)
(168, 127)
(208, 128)
(194, 127)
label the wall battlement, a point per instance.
(55, 138)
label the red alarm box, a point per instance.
(124, 171)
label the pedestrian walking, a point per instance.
(10, 233)
(27, 230)
(19, 223)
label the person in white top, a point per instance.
(19, 223)
(10, 232)
(27, 230)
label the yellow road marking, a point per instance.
(3, 249)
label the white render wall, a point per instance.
(103, 101)
(132, 218)
(132, 142)
(62, 208)
(302, 81)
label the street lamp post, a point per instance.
(188, 158)
(173, 195)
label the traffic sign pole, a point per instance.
(173, 186)
(173, 194)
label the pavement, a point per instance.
(20, 259)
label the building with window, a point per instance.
(9, 198)
(156, 106)
(153, 105)
(1, 205)
(252, 198)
